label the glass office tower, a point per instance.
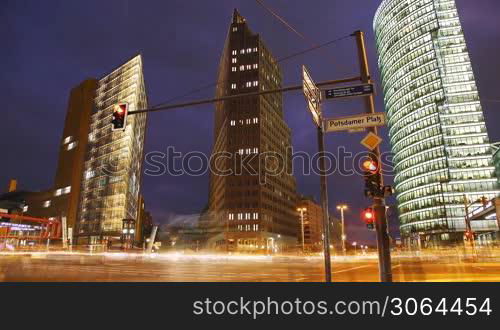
(442, 153)
(112, 169)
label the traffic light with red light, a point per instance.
(368, 217)
(120, 113)
(373, 178)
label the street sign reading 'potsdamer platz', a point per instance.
(436, 125)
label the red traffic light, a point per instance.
(120, 113)
(368, 216)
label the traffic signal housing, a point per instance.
(373, 178)
(120, 113)
(368, 217)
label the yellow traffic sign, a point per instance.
(371, 141)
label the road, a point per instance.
(55, 267)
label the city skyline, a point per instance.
(294, 111)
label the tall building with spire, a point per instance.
(442, 153)
(110, 180)
(252, 206)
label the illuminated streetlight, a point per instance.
(342, 208)
(302, 210)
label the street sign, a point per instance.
(351, 91)
(355, 122)
(313, 96)
(371, 141)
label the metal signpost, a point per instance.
(313, 97)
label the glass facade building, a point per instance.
(113, 162)
(442, 153)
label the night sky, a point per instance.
(50, 46)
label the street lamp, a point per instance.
(302, 210)
(342, 208)
(355, 244)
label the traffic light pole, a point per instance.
(324, 204)
(383, 242)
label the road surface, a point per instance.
(207, 268)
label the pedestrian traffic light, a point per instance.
(373, 178)
(120, 113)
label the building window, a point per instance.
(242, 68)
(231, 216)
(58, 192)
(234, 60)
(255, 150)
(25, 208)
(255, 66)
(233, 86)
(256, 83)
(247, 216)
(47, 203)
(256, 120)
(235, 29)
(255, 50)
(249, 67)
(67, 139)
(235, 52)
(242, 51)
(240, 216)
(233, 122)
(234, 69)
(66, 190)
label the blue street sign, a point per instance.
(351, 91)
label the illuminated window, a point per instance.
(47, 203)
(233, 122)
(66, 190)
(234, 69)
(235, 29)
(58, 192)
(234, 60)
(255, 66)
(67, 140)
(25, 208)
(235, 52)
(233, 86)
